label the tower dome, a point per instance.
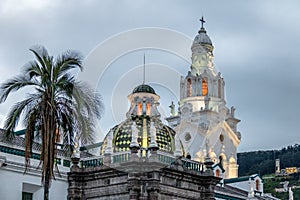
(202, 37)
(144, 88)
(202, 40)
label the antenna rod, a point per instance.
(144, 69)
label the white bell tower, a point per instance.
(203, 118)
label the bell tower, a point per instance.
(203, 118)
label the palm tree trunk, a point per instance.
(46, 186)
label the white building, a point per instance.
(17, 185)
(203, 121)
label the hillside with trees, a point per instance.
(263, 162)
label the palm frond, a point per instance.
(14, 84)
(32, 68)
(15, 113)
(87, 100)
(40, 53)
(67, 61)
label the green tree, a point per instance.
(58, 105)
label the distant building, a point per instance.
(277, 166)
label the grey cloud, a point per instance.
(256, 50)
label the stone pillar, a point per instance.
(153, 189)
(206, 102)
(177, 151)
(75, 158)
(134, 136)
(153, 143)
(75, 162)
(134, 145)
(153, 147)
(208, 189)
(133, 186)
(209, 166)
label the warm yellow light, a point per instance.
(291, 170)
(144, 137)
(204, 87)
(139, 109)
(148, 105)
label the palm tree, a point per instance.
(58, 105)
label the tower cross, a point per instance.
(202, 21)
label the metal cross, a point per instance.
(202, 21)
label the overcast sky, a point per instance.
(257, 50)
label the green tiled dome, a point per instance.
(144, 88)
(122, 135)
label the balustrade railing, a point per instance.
(121, 157)
(94, 162)
(165, 158)
(192, 165)
(162, 157)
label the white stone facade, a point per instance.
(203, 119)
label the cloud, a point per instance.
(256, 49)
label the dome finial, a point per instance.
(202, 22)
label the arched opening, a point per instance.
(219, 89)
(148, 108)
(204, 87)
(257, 185)
(189, 88)
(139, 108)
(218, 173)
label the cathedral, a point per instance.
(203, 120)
(193, 157)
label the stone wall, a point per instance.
(162, 184)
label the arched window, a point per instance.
(189, 88)
(139, 108)
(219, 89)
(257, 185)
(204, 87)
(148, 110)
